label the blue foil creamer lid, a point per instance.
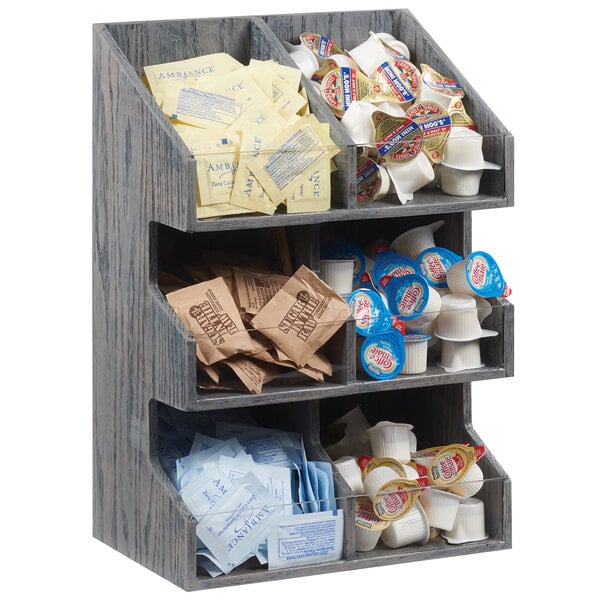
(369, 311)
(434, 264)
(391, 264)
(407, 296)
(382, 354)
(484, 276)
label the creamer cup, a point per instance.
(390, 440)
(407, 178)
(440, 89)
(470, 484)
(372, 183)
(377, 478)
(416, 240)
(358, 123)
(477, 275)
(397, 139)
(369, 55)
(458, 320)
(390, 42)
(321, 46)
(430, 312)
(407, 296)
(436, 124)
(396, 498)
(350, 471)
(305, 60)
(415, 350)
(460, 356)
(369, 526)
(334, 249)
(411, 434)
(401, 77)
(343, 86)
(412, 528)
(382, 354)
(434, 264)
(370, 313)
(456, 182)
(390, 264)
(390, 108)
(338, 274)
(440, 507)
(463, 150)
(450, 464)
(469, 524)
(368, 463)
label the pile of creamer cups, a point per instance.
(404, 496)
(410, 123)
(414, 293)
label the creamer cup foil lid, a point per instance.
(397, 497)
(484, 276)
(451, 463)
(368, 180)
(365, 517)
(390, 264)
(398, 139)
(320, 46)
(435, 122)
(342, 86)
(434, 264)
(369, 311)
(382, 354)
(407, 296)
(368, 463)
(402, 78)
(440, 84)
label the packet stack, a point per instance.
(254, 495)
(249, 128)
(254, 326)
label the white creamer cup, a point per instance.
(304, 58)
(457, 182)
(341, 60)
(350, 471)
(358, 123)
(368, 56)
(415, 354)
(394, 44)
(412, 528)
(470, 483)
(458, 320)
(390, 108)
(414, 241)
(431, 310)
(411, 472)
(460, 356)
(391, 440)
(408, 177)
(463, 150)
(441, 507)
(469, 525)
(376, 479)
(368, 526)
(428, 94)
(411, 435)
(385, 184)
(338, 274)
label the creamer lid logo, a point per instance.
(363, 309)
(478, 270)
(409, 301)
(434, 267)
(331, 89)
(383, 358)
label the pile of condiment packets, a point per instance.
(253, 494)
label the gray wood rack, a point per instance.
(144, 358)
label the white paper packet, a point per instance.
(308, 539)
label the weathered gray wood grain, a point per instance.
(143, 356)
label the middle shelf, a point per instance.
(179, 259)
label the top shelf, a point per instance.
(168, 167)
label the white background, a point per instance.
(536, 67)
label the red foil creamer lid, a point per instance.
(363, 461)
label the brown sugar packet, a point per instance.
(252, 373)
(254, 290)
(288, 364)
(302, 316)
(211, 371)
(209, 312)
(318, 362)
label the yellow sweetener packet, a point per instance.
(313, 193)
(158, 76)
(291, 157)
(216, 163)
(247, 191)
